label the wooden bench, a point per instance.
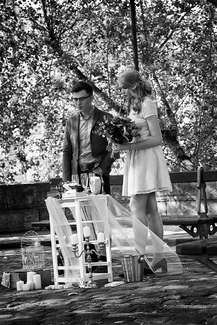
(199, 225)
(42, 225)
(203, 250)
(202, 224)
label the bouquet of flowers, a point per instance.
(117, 129)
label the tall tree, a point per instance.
(45, 45)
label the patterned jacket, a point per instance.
(98, 146)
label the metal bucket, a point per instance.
(133, 267)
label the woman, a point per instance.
(145, 170)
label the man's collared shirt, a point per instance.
(85, 145)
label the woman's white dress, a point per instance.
(145, 171)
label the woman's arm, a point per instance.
(154, 139)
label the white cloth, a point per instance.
(145, 171)
(121, 233)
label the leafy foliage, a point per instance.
(46, 45)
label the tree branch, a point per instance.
(171, 32)
(213, 2)
(67, 59)
(170, 134)
(169, 112)
(5, 28)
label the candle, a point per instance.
(86, 231)
(100, 237)
(26, 287)
(31, 285)
(20, 285)
(74, 239)
(30, 276)
(37, 281)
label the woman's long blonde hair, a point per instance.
(136, 96)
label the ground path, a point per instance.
(189, 298)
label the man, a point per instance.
(83, 150)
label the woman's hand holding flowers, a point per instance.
(117, 147)
(119, 132)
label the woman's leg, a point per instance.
(138, 209)
(144, 208)
(138, 204)
(156, 226)
(154, 219)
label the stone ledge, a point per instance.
(198, 247)
(25, 196)
(17, 220)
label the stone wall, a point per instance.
(184, 200)
(181, 201)
(20, 204)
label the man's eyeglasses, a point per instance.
(81, 99)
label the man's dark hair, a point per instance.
(82, 85)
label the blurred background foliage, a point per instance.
(47, 44)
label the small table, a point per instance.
(85, 213)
